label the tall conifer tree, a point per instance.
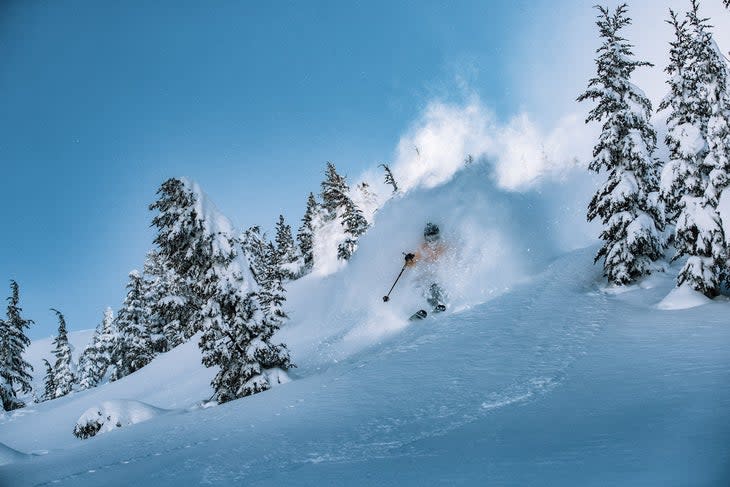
(680, 175)
(87, 364)
(63, 376)
(171, 301)
(285, 248)
(166, 304)
(627, 202)
(49, 383)
(255, 247)
(334, 192)
(355, 225)
(198, 243)
(15, 372)
(134, 346)
(96, 359)
(272, 294)
(305, 234)
(699, 142)
(337, 204)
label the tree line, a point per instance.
(202, 279)
(651, 209)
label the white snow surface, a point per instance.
(8, 455)
(535, 375)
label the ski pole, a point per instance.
(386, 298)
(409, 257)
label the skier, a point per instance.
(425, 260)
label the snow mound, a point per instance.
(683, 297)
(9, 455)
(114, 414)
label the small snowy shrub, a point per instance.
(88, 428)
(111, 415)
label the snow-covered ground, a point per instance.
(535, 375)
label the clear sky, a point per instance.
(101, 101)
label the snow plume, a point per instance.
(435, 147)
(521, 200)
(521, 153)
(495, 239)
(327, 236)
(525, 155)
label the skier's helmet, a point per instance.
(431, 233)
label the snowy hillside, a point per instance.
(535, 375)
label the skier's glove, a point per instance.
(410, 257)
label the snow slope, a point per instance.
(519, 390)
(8, 455)
(536, 375)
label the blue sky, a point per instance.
(102, 101)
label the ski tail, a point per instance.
(418, 315)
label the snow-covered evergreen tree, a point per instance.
(699, 142)
(156, 289)
(198, 243)
(627, 203)
(15, 372)
(272, 294)
(49, 383)
(285, 249)
(134, 346)
(268, 272)
(355, 225)
(236, 338)
(180, 240)
(337, 204)
(236, 332)
(255, 247)
(305, 234)
(171, 299)
(85, 370)
(179, 227)
(106, 345)
(334, 191)
(680, 175)
(96, 359)
(713, 84)
(389, 178)
(63, 376)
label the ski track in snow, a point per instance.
(544, 337)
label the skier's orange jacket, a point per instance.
(427, 253)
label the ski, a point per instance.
(418, 315)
